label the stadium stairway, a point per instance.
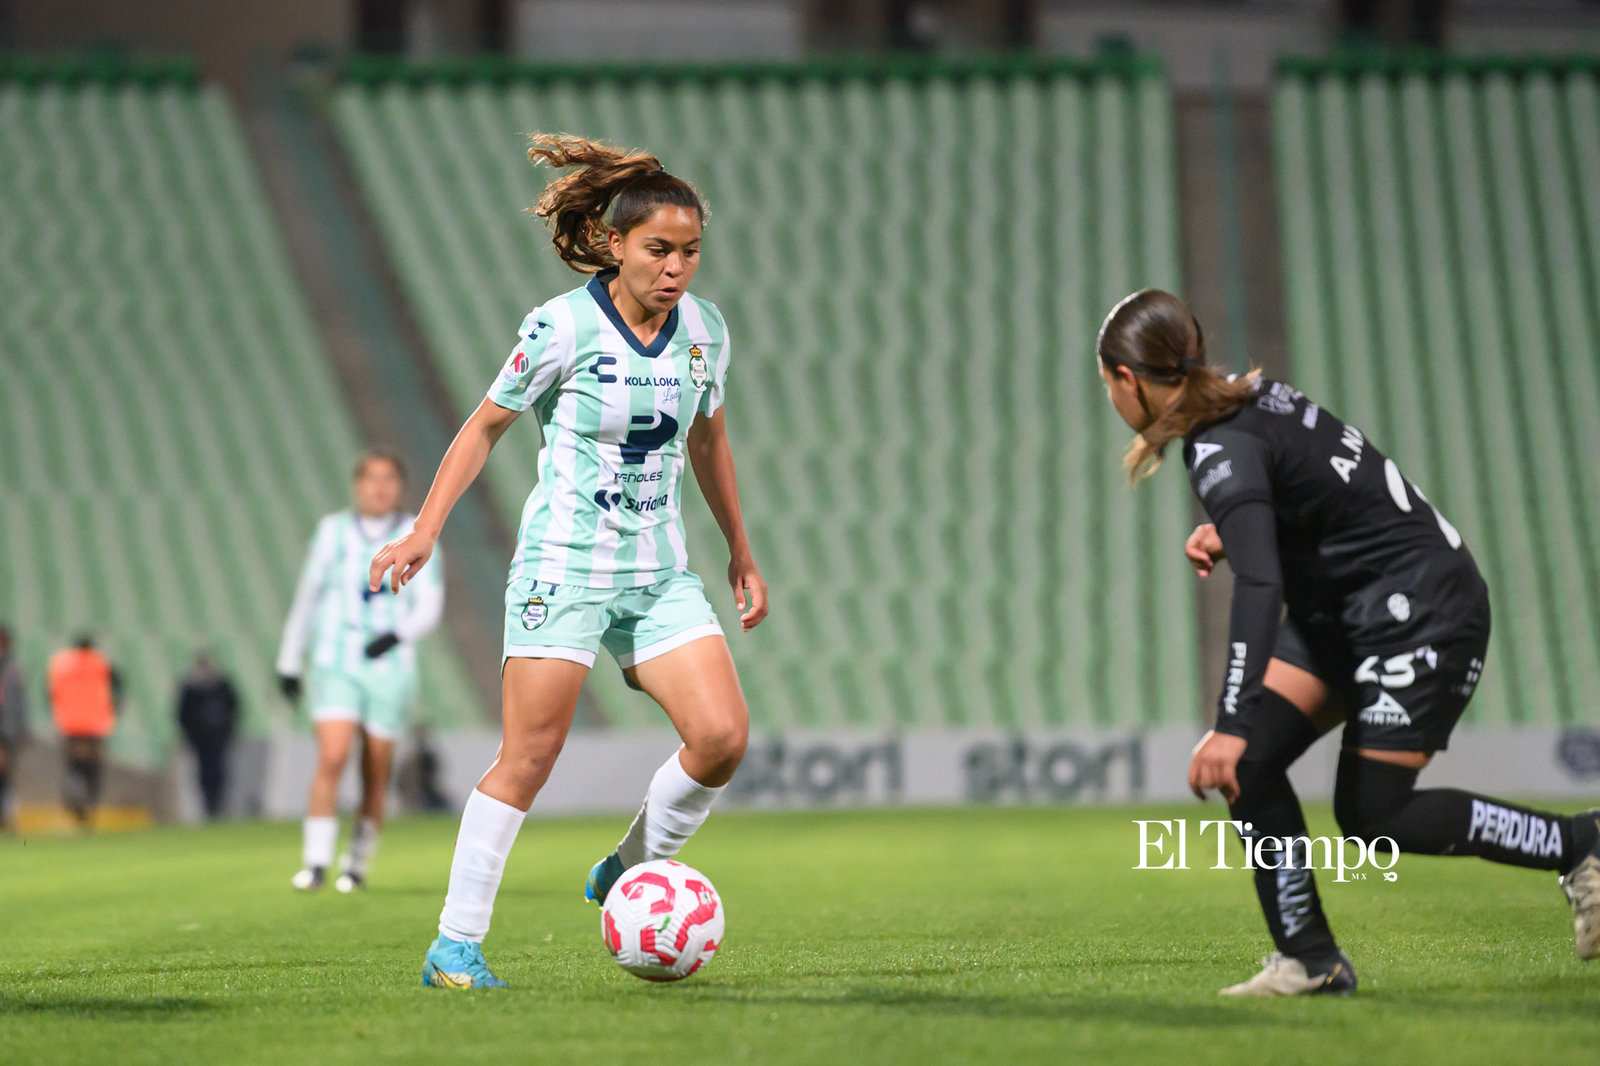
(169, 426)
(913, 259)
(1441, 236)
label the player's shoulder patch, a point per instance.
(1201, 451)
(708, 310)
(1277, 397)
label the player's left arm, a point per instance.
(712, 459)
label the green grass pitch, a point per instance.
(922, 937)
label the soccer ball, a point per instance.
(662, 920)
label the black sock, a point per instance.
(1379, 799)
(1280, 734)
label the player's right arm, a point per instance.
(1232, 480)
(536, 365)
(297, 627)
(465, 457)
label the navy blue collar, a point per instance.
(597, 289)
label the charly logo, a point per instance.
(535, 612)
(698, 372)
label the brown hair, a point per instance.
(631, 185)
(1154, 335)
(380, 455)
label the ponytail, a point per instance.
(1153, 334)
(631, 185)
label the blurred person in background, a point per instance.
(363, 665)
(13, 719)
(418, 778)
(84, 691)
(208, 712)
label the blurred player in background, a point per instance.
(13, 719)
(84, 690)
(626, 375)
(1386, 630)
(363, 664)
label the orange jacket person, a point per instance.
(83, 699)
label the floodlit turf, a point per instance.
(924, 937)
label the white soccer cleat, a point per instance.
(309, 879)
(1282, 975)
(348, 882)
(1582, 888)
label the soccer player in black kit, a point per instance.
(1384, 625)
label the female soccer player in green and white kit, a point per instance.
(626, 375)
(363, 675)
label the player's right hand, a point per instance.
(1204, 549)
(402, 558)
(290, 686)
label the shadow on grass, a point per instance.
(102, 1008)
(1065, 1007)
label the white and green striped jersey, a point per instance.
(607, 510)
(335, 613)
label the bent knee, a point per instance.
(530, 753)
(721, 744)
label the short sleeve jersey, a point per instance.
(607, 510)
(1351, 530)
(345, 614)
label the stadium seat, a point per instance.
(170, 428)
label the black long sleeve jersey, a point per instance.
(1315, 519)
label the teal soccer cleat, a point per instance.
(457, 964)
(602, 877)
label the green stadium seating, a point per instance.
(1441, 222)
(913, 263)
(169, 426)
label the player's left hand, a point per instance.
(749, 591)
(1204, 549)
(381, 644)
(1215, 765)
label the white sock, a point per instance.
(674, 808)
(318, 835)
(363, 846)
(488, 829)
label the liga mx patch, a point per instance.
(534, 613)
(699, 374)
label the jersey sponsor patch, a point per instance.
(1278, 399)
(1204, 451)
(1214, 477)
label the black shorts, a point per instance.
(1399, 695)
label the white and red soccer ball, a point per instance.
(662, 920)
